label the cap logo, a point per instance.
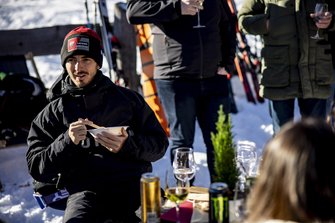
(78, 43)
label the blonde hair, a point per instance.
(297, 179)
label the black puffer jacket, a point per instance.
(181, 51)
(89, 165)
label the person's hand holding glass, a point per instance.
(198, 15)
(192, 7)
(321, 17)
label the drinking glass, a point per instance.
(198, 15)
(176, 190)
(184, 164)
(246, 158)
(241, 191)
(240, 194)
(320, 9)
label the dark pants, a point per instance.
(331, 99)
(185, 101)
(91, 207)
(282, 111)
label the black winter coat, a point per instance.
(181, 51)
(89, 165)
(331, 36)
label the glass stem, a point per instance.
(177, 212)
(198, 18)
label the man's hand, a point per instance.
(78, 130)
(323, 21)
(112, 142)
(222, 71)
(191, 7)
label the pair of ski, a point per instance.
(246, 63)
(106, 36)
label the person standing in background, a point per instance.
(102, 171)
(190, 63)
(294, 66)
(331, 99)
(296, 181)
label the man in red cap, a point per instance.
(101, 172)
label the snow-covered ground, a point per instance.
(251, 123)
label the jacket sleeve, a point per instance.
(331, 8)
(144, 11)
(252, 17)
(50, 149)
(147, 140)
(228, 37)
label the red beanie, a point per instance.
(82, 40)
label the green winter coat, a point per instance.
(293, 64)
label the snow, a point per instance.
(252, 122)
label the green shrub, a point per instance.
(224, 151)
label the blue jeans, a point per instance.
(282, 111)
(185, 101)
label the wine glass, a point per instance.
(176, 190)
(240, 194)
(320, 9)
(184, 164)
(241, 191)
(247, 157)
(198, 15)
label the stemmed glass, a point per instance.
(177, 180)
(240, 194)
(320, 9)
(184, 164)
(176, 190)
(198, 14)
(246, 157)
